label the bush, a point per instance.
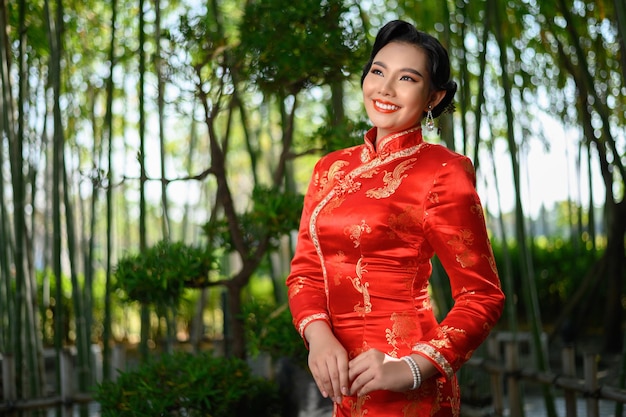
(560, 268)
(160, 274)
(270, 330)
(184, 384)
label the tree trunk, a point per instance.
(143, 243)
(82, 335)
(19, 222)
(58, 145)
(8, 305)
(591, 222)
(614, 252)
(165, 221)
(91, 232)
(193, 140)
(527, 271)
(108, 128)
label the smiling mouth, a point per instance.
(385, 106)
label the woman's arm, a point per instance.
(454, 226)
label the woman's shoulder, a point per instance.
(442, 156)
(442, 151)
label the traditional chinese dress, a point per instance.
(374, 216)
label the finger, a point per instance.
(359, 385)
(344, 379)
(321, 375)
(336, 368)
(344, 375)
(363, 356)
(361, 373)
(357, 366)
(355, 387)
(355, 371)
(319, 381)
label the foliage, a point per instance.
(318, 44)
(196, 44)
(159, 275)
(343, 135)
(270, 330)
(560, 267)
(184, 384)
(273, 215)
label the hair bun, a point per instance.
(446, 105)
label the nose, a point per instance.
(386, 87)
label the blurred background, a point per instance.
(154, 154)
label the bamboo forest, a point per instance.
(154, 156)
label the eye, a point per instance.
(407, 78)
(376, 71)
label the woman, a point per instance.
(374, 216)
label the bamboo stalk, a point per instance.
(568, 358)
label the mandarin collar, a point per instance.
(391, 143)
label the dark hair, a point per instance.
(438, 65)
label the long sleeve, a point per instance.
(306, 287)
(455, 229)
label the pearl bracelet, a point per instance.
(415, 370)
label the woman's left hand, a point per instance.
(373, 370)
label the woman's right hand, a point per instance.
(328, 361)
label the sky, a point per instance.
(549, 174)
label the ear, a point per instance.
(436, 97)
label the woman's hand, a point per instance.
(328, 361)
(373, 370)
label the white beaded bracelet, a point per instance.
(415, 370)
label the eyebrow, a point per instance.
(411, 70)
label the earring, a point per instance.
(430, 121)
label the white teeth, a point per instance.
(386, 106)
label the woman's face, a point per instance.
(396, 90)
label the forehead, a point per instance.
(403, 55)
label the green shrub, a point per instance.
(559, 268)
(191, 385)
(270, 330)
(159, 275)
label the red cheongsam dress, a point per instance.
(374, 216)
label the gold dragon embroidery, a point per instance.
(392, 180)
(355, 232)
(326, 181)
(404, 325)
(361, 287)
(336, 261)
(295, 288)
(460, 244)
(356, 407)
